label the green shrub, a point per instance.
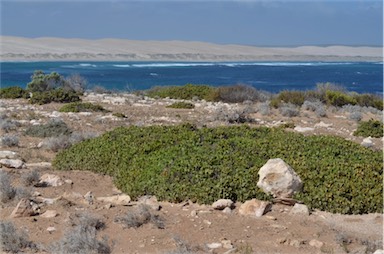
(369, 100)
(339, 99)
(41, 82)
(182, 104)
(294, 97)
(371, 128)
(177, 163)
(12, 92)
(187, 92)
(82, 107)
(57, 95)
(53, 128)
(119, 115)
(238, 94)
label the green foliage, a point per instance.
(177, 163)
(187, 92)
(182, 104)
(41, 82)
(57, 95)
(82, 107)
(339, 99)
(369, 100)
(12, 92)
(54, 128)
(119, 115)
(293, 97)
(371, 128)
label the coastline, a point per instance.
(17, 49)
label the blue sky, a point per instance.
(249, 22)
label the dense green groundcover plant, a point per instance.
(82, 107)
(12, 92)
(372, 128)
(183, 162)
(182, 104)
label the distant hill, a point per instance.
(60, 49)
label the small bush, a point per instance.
(56, 144)
(139, 216)
(100, 90)
(187, 92)
(82, 239)
(182, 104)
(339, 99)
(369, 100)
(355, 116)
(13, 240)
(119, 115)
(57, 95)
(30, 178)
(289, 110)
(8, 125)
(13, 92)
(82, 107)
(293, 97)
(53, 128)
(315, 106)
(238, 94)
(371, 128)
(7, 191)
(10, 141)
(264, 108)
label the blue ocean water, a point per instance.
(362, 77)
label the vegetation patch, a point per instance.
(178, 163)
(53, 128)
(82, 107)
(57, 95)
(13, 92)
(187, 92)
(182, 104)
(371, 128)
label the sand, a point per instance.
(59, 49)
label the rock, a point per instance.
(254, 207)
(227, 244)
(49, 214)
(303, 129)
(89, 197)
(150, 201)
(50, 180)
(193, 213)
(222, 203)
(316, 243)
(214, 245)
(8, 155)
(116, 200)
(74, 197)
(25, 208)
(279, 179)
(12, 163)
(300, 209)
(46, 201)
(367, 142)
(379, 252)
(227, 210)
(323, 125)
(51, 229)
(40, 165)
(295, 243)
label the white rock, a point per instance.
(299, 209)
(214, 245)
(150, 201)
(303, 129)
(89, 197)
(51, 229)
(116, 200)
(227, 244)
(316, 243)
(50, 180)
(254, 207)
(379, 252)
(227, 210)
(367, 142)
(12, 163)
(323, 125)
(8, 155)
(25, 208)
(49, 214)
(222, 203)
(279, 179)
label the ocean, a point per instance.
(361, 77)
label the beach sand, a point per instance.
(59, 49)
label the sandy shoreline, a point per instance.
(58, 49)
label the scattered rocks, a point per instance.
(25, 208)
(8, 155)
(367, 142)
(49, 214)
(254, 207)
(300, 209)
(316, 243)
(12, 163)
(150, 201)
(303, 129)
(122, 199)
(50, 180)
(222, 204)
(279, 179)
(214, 245)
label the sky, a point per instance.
(246, 22)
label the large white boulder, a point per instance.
(277, 178)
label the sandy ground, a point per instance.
(188, 227)
(59, 49)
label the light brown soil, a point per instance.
(187, 226)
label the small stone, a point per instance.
(150, 201)
(269, 217)
(222, 203)
(254, 207)
(25, 208)
(207, 222)
(193, 213)
(227, 210)
(367, 142)
(379, 252)
(68, 181)
(50, 180)
(89, 197)
(300, 209)
(295, 243)
(8, 155)
(51, 229)
(214, 245)
(12, 163)
(49, 214)
(116, 200)
(303, 129)
(316, 243)
(227, 244)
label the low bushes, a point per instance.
(13, 92)
(293, 97)
(238, 94)
(370, 128)
(82, 107)
(57, 95)
(182, 104)
(177, 163)
(13, 240)
(187, 92)
(53, 128)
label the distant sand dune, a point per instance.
(59, 49)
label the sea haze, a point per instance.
(362, 77)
